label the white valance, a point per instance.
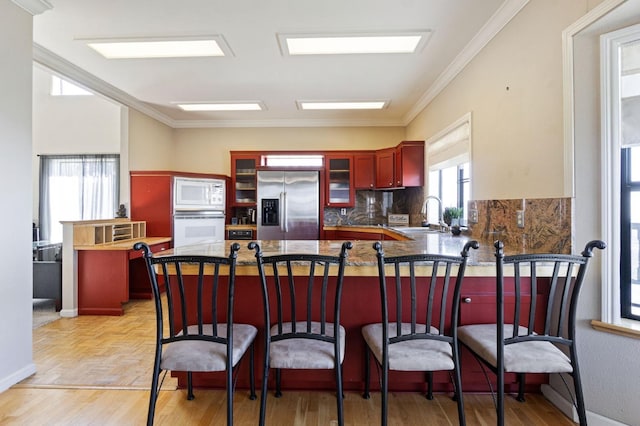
(451, 149)
(630, 108)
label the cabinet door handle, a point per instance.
(466, 300)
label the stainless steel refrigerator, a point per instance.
(288, 205)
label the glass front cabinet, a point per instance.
(339, 177)
(243, 176)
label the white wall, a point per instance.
(513, 88)
(518, 151)
(71, 125)
(207, 150)
(15, 188)
(151, 145)
(611, 372)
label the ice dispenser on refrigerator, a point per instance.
(270, 215)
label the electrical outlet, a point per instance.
(473, 216)
(520, 218)
(343, 211)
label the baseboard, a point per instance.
(69, 313)
(17, 376)
(570, 411)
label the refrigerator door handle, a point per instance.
(283, 217)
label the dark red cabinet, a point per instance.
(364, 171)
(385, 165)
(339, 185)
(244, 179)
(151, 201)
(401, 166)
(409, 162)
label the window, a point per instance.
(621, 173)
(292, 160)
(630, 234)
(449, 166)
(452, 186)
(77, 187)
(61, 87)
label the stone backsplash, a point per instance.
(372, 207)
(547, 221)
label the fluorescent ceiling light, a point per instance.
(179, 47)
(353, 44)
(343, 105)
(240, 106)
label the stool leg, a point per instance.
(367, 373)
(190, 394)
(278, 391)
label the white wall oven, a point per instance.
(197, 227)
(198, 210)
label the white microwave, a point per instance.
(199, 194)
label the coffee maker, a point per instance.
(251, 215)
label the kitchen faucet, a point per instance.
(426, 206)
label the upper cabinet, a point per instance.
(401, 166)
(340, 191)
(385, 165)
(344, 173)
(152, 201)
(364, 171)
(409, 164)
(243, 179)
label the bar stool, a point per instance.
(419, 319)
(195, 330)
(306, 331)
(527, 337)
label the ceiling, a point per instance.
(258, 71)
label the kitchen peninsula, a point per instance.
(360, 304)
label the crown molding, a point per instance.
(504, 15)
(34, 7)
(58, 64)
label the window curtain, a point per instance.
(77, 187)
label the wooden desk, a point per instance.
(111, 274)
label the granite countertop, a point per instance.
(362, 253)
(362, 257)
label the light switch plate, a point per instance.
(520, 218)
(473, 216)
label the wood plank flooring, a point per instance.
(96, 370)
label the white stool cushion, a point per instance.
(198, 355)
(305, 353)
(525, 357)
(411, 355)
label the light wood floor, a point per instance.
(95, 370)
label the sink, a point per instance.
(415, 230)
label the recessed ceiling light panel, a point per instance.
(165, 47)
(316, 105)
(222, 106)
(303, 44)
